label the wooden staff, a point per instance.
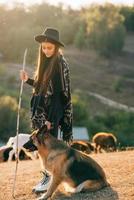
(18, 122)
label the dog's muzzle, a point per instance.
(30, 145)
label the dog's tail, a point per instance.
(91, 185)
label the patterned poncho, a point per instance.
(39, 111)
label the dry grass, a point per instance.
(119, 168)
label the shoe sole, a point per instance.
(38, 192)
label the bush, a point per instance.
(8, 118)
(118, 122)
(2, 70)
(117, 84)
(80, 113)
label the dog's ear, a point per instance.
(43, 129)
(41, 133)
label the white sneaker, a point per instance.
(44, 184)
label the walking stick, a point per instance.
(18, 121)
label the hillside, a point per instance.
(112, 78)
(117, 166)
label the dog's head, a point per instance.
(36, 139)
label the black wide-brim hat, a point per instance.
(51, 35)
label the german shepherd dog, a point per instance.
(66, 165)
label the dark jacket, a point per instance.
(39, 113)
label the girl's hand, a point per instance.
(23, 75)
(48, 125)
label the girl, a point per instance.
(51, 99)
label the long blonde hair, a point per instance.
(42, 78)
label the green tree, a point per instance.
(105, 29)
(128, 13)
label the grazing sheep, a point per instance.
(83, 146)
(106, 141)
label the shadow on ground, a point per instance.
(104, 194)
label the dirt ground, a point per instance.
(119, 169)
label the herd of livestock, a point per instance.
(101, 142)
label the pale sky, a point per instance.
(72, 3)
